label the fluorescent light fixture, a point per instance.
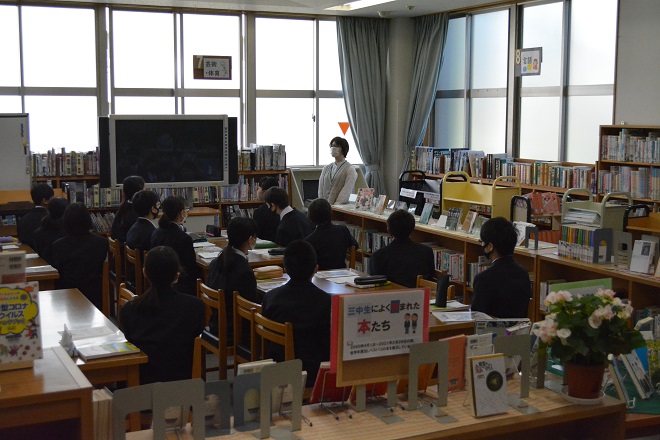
(352, 6)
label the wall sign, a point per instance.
(528, 61)
(211, 67)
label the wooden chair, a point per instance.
(115, 272)
(214, 300)
(351, 257)
(433, 286)
(125, 295)
(244, 311)
(274, 332)
(133, 270)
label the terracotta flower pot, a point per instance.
(583, 381)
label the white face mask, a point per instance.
(335, 151)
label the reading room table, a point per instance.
(37, 268)
(53, 390)
(256, 258)
(71, 307)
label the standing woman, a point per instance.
(162, 322)
(51, 229)
(79, 255)
(171, 233)
(338, 178)
(230, 271)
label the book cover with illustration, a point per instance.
(20, 325)
(364, 198)
(489, 389)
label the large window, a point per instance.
(552, 116)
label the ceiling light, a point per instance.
(352, 6)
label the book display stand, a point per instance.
(436, 352)
(277, 375)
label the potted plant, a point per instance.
(581, 330)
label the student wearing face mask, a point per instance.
(337, 178)
(171, 233)
(504, 289)
(230, 271)
(146, 205)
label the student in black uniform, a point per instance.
(30, 222)
(146, 204)
(294, 225)
(230, 271)
(79, 255)
(305, 306)
(504, 289)
(331, 242)
(267, 220)
(403, 259)
(51, 229)
(162, 322)
(126, 215)
(171, 233)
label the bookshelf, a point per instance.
(629, 161)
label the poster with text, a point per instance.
(384, 323)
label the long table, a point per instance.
(437, 328)
(71, 307)
(53, 390)
(256, 259)
(46, 278)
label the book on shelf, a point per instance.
(106, 349)
(586, 243)
(638, 374)
(468, 223)
(617, 379)
(453, 218)
(379, 204)
(426, 213)
(21, 336)
(488, 385)
(456, 361)
(364, 199)
(642, 256)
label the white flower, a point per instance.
(563, 333)
(594, 321)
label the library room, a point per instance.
(220, 239)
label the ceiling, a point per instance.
(392, 9)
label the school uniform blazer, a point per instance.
(503, 290)
(139, 236)
(29, 223)
(401, 261)
(307, 308)
(267, 222)
(240, 277)
(331, 243)
(182, 244)
(123, 222)
(294, 226)
(167, 336)
(79, 260)
(44, 239)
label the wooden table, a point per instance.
(437, 328)
(47, 278)
(256, 259)
(53, 390)
(71, 307)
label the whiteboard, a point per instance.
(14, 152)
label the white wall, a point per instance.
(637, 96)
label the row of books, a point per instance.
(246, 189)
(625, 147)
(476, 267)
(374, 240)
(547, 203)
(585, 243)
(641, 183)
(65, 164)
(231, 211)
(262, 157)
(93, 196)
(449, 261)
(102, 222)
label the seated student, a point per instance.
(162, 322)
(294, 225)
(79, 255)
(171, 233)
(30, 222)
(146, 204)
(267, 220)
(504, 289)
(403, 259)
(51, 229)
(331, 242)
(305, 306)
(126, 215)
(230, 271)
